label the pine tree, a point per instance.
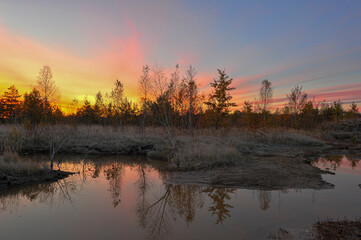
(219, 101)
(11, 103)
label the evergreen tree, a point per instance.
(219, 100)
(11, 104)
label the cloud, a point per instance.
(121, 58)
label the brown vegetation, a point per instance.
(337, 230)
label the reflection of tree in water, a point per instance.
(265, 198)
(176, 201)
(90, 170)
(336, 160)
(114, 175)
(220, 207)
(186, 199)
(353, 161)
(47, 193)
(143, 183)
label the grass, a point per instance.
(11, 163)
(208, 148)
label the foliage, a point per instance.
(219, 101)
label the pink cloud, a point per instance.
(122, 58)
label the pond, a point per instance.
(126, 198)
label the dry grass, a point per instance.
(209, 148)
(11, 163)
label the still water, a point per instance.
(125, 198)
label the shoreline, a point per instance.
(272, 160)
(8, 181)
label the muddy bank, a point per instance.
(19, 180)
(95, 149)
(260, 173)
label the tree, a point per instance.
(353, 111)
(192, 95)
(248, 111)
(309, 114)
(11, 103)
(33, 107)
(337, 110)
(159, 82)
(163, 108)
(46, 85)
(86, 113)
(296, 102)
(99, 106)
(297, 99)
(219, 101)
(265, 95)
(116, 96)
(144, 89)
(56, 138)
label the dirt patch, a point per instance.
(261, 173)
(19, 180)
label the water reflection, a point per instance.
(114, 175)
(175, 202)
(136, 190)
(336, 161)
(219, 207)
(46, 193)
(264, 198)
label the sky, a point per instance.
(91, 43)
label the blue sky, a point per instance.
(316, 44)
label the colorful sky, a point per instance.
(91, 43)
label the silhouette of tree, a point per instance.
(144, 89)
(353, 111)
(219, 101)
(33, 107)
(265, 95)
(86, 113)
(11, 104)
(296, 101)
(337, 110)
(192, 95)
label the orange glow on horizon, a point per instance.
(75, 75)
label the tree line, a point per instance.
(173, 102)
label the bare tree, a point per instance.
(265, 95)
(163, 91)
(116, 96)
(159, 81)
(57, 136)
(192, 95)
(144, 89)
(296, 101)
(46, 85)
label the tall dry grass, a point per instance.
(11, 163)
(207, 149)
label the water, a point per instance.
(125, 198)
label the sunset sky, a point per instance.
(91, 43)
